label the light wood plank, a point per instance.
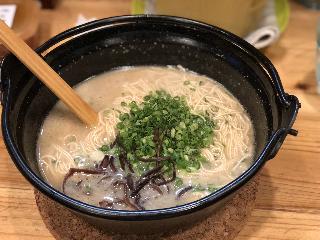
(288, 203)
(280, 225)
(19, 216)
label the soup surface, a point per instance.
(166, 136)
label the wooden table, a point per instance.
(288, 204)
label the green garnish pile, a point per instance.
(164, 126)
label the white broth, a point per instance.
(97, 165)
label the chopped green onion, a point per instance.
(105, 149)
(186, 82)
(183, 134)
(178, 182)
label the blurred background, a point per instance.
(263, 23)
(260, 22)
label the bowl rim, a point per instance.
(143, 215)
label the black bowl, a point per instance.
(106, 44)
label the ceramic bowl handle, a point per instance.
(290, 114)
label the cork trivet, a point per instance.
(224, 224)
